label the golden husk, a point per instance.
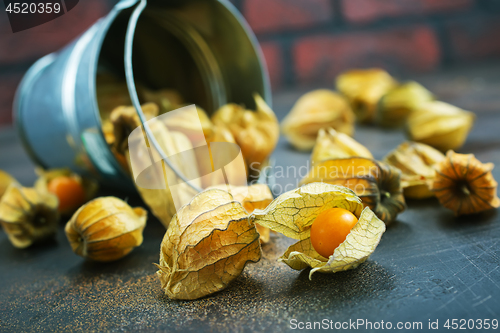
(293, 213)
(396, 106)
(332, 144)
(416, 162)
(376, 183)
(255, 132)
(207, 246)
(313, 111)
(465, 185)
(27, 215)
(440, 125)
(364, 88)
(106, 229)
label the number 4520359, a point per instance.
(462, 324)
(33, 8)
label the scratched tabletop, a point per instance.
(429, 265)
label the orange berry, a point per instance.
(330, 229)
(69, 191)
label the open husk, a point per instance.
(89, 186)
(293, 213)
(207, 246)
(416, 162)
(314, 111)
(27, 215)
(376, 183)
(332, 144)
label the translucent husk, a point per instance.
(364, 88)
(28, 216)
(293, 213)
(332, 144)
(440, 125)
(106, 229)
(416, 162)
(313, 111)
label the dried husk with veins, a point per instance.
(376, 183)
(106, 229)
(207, 246)
(293, 214)
(28, 216)
(416, 162)
(257, 196)
(465, 185)
(312, 112)
(332, 144)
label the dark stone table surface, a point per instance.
(428, 266)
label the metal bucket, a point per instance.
(202, 48)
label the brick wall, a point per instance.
(305, 42)
(309, 42)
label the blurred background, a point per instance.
(306, 42)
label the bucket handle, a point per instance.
(129, 74)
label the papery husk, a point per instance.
(124, 120)
(465, 185)
(396, 106)
(183, 122)
(166, 99)
(313, 111)
(161, 201)
(89, 186)
(236, 173)
(256, 132)
(27, 215)
(207, 246)
(332, 144)
(416, 162)
(364, 88)
(376, 183)
(440, 125)
(106, 229)
(257, 196)
(5, 181)
(293, 213)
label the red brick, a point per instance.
(36, 42)
(475, 38)
(8, 86)
(278, 15)
(364, 11)
(321, 58)
(274, 59)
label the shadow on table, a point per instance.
(368, 281)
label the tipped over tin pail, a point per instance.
(202, 48)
